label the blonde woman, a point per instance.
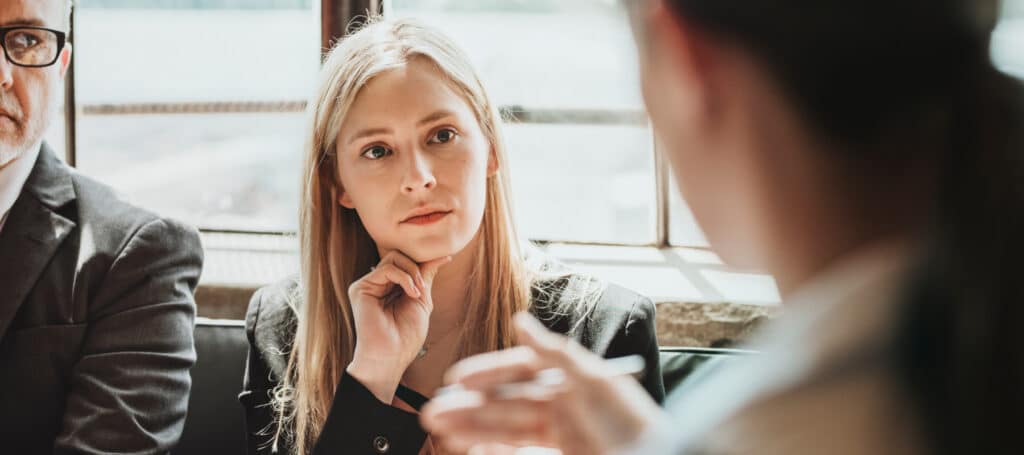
(410, 259)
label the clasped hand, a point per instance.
(391, 309)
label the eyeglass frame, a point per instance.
(61, 42)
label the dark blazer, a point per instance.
(96, 316)
(621, 323)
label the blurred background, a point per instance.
(195, 109)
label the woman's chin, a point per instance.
(425, 246)
(430, 250)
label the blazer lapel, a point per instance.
(33, 232)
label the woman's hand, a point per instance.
(589, 413)
(391, 307)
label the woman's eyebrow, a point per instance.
(369, 132)
(436, 115)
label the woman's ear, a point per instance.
(344, 199)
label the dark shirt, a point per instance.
(620, 324)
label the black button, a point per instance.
(381, 444)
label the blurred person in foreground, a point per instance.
(868, 155)
(96, 303)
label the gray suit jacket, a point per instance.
(96, 316)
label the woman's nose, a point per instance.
(419, 176)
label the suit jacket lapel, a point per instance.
(33, 232)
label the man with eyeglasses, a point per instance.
(96, 296)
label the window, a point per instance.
(194, 107)
(1008, 39)
(683, 228)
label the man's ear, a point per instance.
(65, 59)
(685, 55)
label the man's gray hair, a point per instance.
(67, 15)
(68, 9)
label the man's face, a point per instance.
(29, 96)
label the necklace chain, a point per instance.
(426, 344)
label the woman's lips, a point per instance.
(428, 218)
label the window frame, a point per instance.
(335, 15)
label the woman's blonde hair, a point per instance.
(336, 249)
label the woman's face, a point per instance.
(414, 163)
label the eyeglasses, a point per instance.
(32, 47)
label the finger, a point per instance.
(484, 371)
(441, 407)
(492, 449)
(390, 273)
(430, 268)
(514, 420)
(471, 419)
(409, 266)
(497, 441)
(552, 349)
(374, 289)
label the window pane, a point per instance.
(597, 194)
(683, 228)
(147, 80)
(217, 171)
(572, 179)
(1008, 39)
(1013, 8)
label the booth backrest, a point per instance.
(215, 420)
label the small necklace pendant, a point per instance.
(423, 352)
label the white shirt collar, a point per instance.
(13, 177)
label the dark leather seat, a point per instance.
(680, 365)
(215, 421)
(215, 424)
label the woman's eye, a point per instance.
(376, 152)
(442, 136)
